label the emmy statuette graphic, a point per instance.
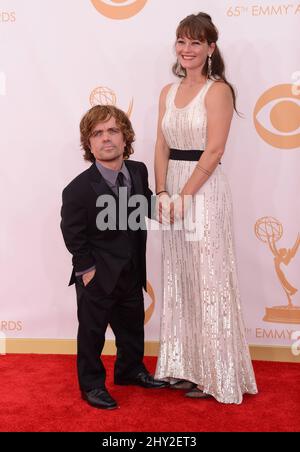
(269, 230)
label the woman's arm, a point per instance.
(219, 106)
(162, 151)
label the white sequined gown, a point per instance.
(202, 330)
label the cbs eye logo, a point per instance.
(282, 107)
(119, 9)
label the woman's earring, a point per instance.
(209, 71)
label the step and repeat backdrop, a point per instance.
(60, 57)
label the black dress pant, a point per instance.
(123, 309)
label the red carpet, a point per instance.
(40, 393)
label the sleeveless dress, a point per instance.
(202, 330)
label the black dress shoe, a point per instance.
(145, 380)
(183, 384)
(196, 393)
(99, 398)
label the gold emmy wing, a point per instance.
(202, 329)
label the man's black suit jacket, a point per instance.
(108, 250)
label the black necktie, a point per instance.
(121, 180)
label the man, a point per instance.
(109, 265)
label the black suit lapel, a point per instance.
(98, 182)
(136, 180)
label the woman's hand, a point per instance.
(163, 208)
(181, 204)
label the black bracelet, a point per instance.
(163, 191)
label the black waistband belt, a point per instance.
(189, 156)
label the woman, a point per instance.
(203, 347)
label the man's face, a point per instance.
(107, 142)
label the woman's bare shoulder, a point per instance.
(219, 88)
(165, 90)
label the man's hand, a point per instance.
(87, 277)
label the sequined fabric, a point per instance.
(202, 330)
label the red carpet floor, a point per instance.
(40, 393)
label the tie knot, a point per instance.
(120, 180)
